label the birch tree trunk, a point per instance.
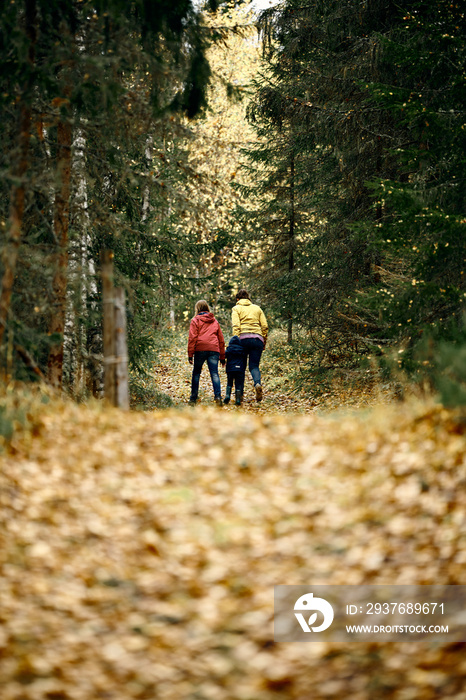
(291, 236)
(81, 278)
(61, 228)
(171, 302)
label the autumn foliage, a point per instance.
(139, 550)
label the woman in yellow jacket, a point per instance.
(250, 325)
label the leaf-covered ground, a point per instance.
(139, 551)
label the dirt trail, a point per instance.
(139, 550)
(172, 375)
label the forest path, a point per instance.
(140, 550)
(171, 374)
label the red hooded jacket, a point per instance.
(206, 334)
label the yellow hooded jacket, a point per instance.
(247, 317)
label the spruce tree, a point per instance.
(420, 233)
(374, 94)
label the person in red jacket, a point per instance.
(205, 344)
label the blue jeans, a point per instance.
(253, 348)
(212, 358)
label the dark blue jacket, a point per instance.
(235, 356)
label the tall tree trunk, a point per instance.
(121, 352)
(108, 322)
(61, 228)
(171, 301)
(82, 267)
(291, 234)
(17, 195)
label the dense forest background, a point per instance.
(313, 152)
(319, 163)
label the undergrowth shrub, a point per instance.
(145, 397)
(21, 409)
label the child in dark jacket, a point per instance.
(236, 370)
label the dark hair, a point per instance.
(242, 294)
